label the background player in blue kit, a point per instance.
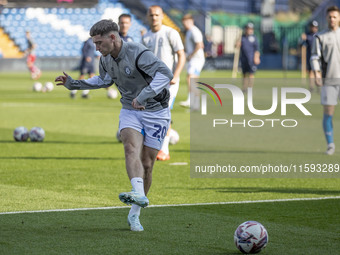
(86, 65)
(307, 40)
(250, 56)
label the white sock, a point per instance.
(135, 209)
(138, 185)
(165, 146)
(85, 92)
(195, 102)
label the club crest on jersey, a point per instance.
(127, 70)
(251, 38)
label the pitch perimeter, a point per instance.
(175, 205)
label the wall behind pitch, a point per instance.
(45, 64)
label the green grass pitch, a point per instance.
(81, 165)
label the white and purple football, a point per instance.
(48, 87)
(37, 134)
(174, 136)
(20, 134)
(37, 87)
(251, 237)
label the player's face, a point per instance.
(188, 23)
(333, 19)
(155, 17)
(104, 44)
(314, 29)
(249, 31)
(124, 25)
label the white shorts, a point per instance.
(173, 93)
(330, 94)
(152, 125)
(195, 66)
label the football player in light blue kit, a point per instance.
(143, 81)
(166, 43)
(325, 62)
(195, 57)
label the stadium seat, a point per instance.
(62, 29)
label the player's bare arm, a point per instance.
(179, 67)
(318, 78)
(198, 46)
(257, 60)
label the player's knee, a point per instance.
(148, 165)
(147, 171)
(131, 150)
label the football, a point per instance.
(37, 134)
(48, 87)
(20, 134)
(112, 93)
(251, 237)
(37, 87)
(174, 136)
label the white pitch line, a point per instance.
(179, 164)
(175, 205)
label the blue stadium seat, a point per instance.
(53, 11)
(53, 42)
(61, 10)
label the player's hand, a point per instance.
(318, 79)
(61, 79)
(318, 82)
(137, 105)
(238, 44)
(257, 61)
(174, 80)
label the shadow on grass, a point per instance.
(61, 142)
(63, 158)
(272, 190)
(216, 152)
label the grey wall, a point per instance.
(47, 64)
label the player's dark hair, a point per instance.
(333, 9)
(124, 15)
(103, 27)
(187, 16)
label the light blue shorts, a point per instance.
(152, 125)
(330, 94)
(194, 66)
(173, 93)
